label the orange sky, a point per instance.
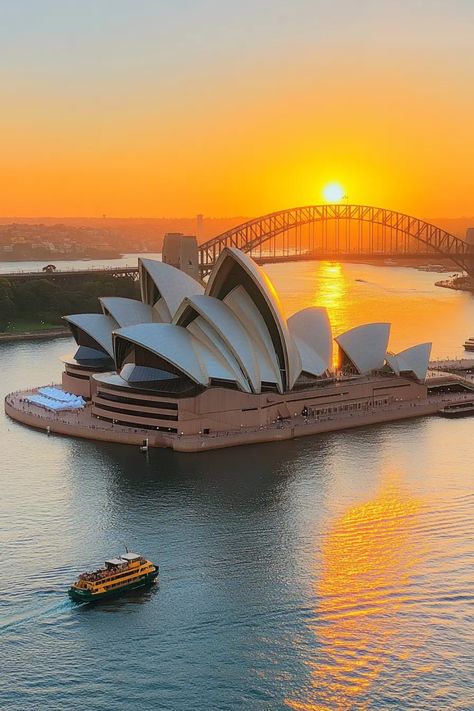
(172, 108)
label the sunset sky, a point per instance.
(235, 107)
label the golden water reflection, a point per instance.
(331, 288)
(361, 293)
(368, 558)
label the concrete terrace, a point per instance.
(81, 423)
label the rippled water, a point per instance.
(333, 572)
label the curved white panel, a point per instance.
(172, 343)
(312, 327)
(366, 346)
(311, 362)
(219, 286)
(127, 312)
(246, 311)
(216, 365)
(203, 332)
(162, 311)
(415, 360)
(160, 281)
(392, 361)
(228, 327)
(98, 326)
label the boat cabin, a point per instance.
(116, 572)
(132, 557)
(129, 570)
(115, 563)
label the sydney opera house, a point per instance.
(206, 364)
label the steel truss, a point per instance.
(256, 232)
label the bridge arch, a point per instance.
(256, 232)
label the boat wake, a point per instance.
(34, 614)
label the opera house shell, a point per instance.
(202, 360)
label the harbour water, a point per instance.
(324, 573)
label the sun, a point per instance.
(333, 192)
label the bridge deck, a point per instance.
(68, 273)
(260, 259)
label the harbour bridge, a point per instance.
(334, 231)
(338, 231)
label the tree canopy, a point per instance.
(48, 300)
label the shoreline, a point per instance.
(83, 425)
(39, 335)
(63, 258)
(459, 284)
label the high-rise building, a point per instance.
(199, 226)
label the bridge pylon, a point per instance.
(469, 263)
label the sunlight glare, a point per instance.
(333, 192)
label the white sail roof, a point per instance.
(234, 332)
(311, 362)
(233, 269)
(311, 330)
(98, 327)
(127, 312)
(412, 360)
(206, 335)
(248, 314)
(180, 349)
(164, 287)
(392, 361)
(172, 343)
(229, 328)
(366, 346)
(415, 359)
(214, 361)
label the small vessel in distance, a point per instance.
(128, 571)
(458, 409)
(469, 344)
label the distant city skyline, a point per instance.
(139, 109)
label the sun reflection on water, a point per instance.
(331, 289)
(368, 558)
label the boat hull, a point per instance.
(81, 595)
(461, 412)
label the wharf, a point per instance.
(453, 365)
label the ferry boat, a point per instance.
(128, 571)
(458, 409)
(469, 344)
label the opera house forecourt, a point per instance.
(196, 367)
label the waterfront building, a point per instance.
(199, 360)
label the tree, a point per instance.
(7, 308)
